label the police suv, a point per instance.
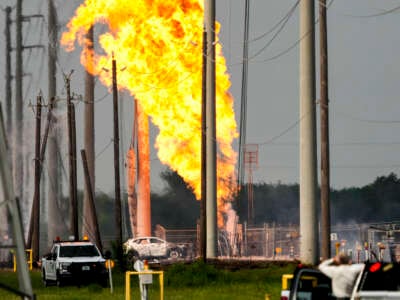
(76, 262)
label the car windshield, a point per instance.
(78, 251)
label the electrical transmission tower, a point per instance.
(251, 163)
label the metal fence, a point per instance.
(274, 241)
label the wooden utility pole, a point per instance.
(52, 49)
(18, 166)
(18, 126)
(74, 176)
(118, 213)
(92, 205)
(243, 100)
(35, 212)
(89, 224)
(35, 216)
(8, 71)
(203, 204)
(72, 161)
(324, 102)
(131, 168)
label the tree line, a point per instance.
(176, 206)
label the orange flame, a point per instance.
(159, 43)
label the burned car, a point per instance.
(152, 247)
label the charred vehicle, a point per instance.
(152, 247)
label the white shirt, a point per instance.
(343, 276)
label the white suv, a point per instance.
(78, 262)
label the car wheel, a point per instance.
(59, 282)
(45, 281)
(173, 253)
(104, 282)
(131, 257)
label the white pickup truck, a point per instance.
(74, 261)
(378, 281)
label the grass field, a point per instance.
(181, 281)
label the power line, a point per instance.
(385, 12)
(374, 121)
(285, 51)
(285, 20)
(347, 166)
(340, 144)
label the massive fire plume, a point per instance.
(159, 45)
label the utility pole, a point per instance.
(18, 166)
(243, 102)
(35, 215)
(54, 190)
(203, 204)
(324, 105)
(93, 211)
(74, 175)
(118, 213)
(12, 203)
(211, 147)
(89, 135)
(8, 71)
(72, 160)
(18, 126)
(308, 155)
(131, 174)
(34, 225)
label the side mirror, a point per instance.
(107, 254)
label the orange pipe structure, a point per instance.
(143, 192)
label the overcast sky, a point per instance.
(364, 71)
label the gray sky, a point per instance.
(363, 84)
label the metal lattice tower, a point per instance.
(250, 163)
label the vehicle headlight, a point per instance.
(64, 266)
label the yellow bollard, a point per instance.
(29, 259)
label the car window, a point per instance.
(156, 241)
(312, 285)
(78, 251)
